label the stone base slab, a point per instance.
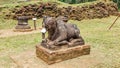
(54, 56)
(22, 30)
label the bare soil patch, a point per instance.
(28, 59)
(10, 32)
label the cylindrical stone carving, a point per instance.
(22, 23)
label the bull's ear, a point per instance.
(44, 17)
(43, 22)
(55, 21)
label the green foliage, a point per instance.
(118, 2)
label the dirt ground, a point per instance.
(28, 59)
(10, 32)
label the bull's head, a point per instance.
(49, 22)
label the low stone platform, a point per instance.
(54, 56)
(22, 30)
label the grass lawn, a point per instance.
(95, 32)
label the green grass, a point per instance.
(16, 45)
(95, 32)
(6, 1)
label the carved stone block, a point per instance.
(54, 56)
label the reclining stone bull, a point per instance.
(61, 33)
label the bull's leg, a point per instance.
(55, 45)
(61, 43)
(75, 42)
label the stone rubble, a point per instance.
(98, 10)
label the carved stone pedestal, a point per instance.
(23, 25)
(54, 56)
(22, 30)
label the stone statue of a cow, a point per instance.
(61, 33)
